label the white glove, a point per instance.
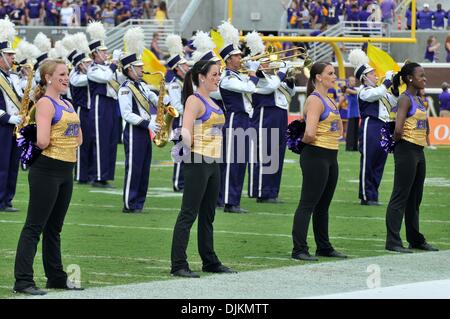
(389, 75)
(15, 119)
(116, 55)
(283, 70)
(252, 65)
(154, 126)
(166, 99)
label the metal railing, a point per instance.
(365, 29)
(401, 7)
(114, 36)
(320, 51)
(188, 14)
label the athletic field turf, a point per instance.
(113, 248)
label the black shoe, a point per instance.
(399, 249)
(269, 200)
(102, 184)
(333, 254)
(33, 291)
(177, 190)
(305, 257)
(220, 269)
(234, 209)
(424, 246)
(8, 209)
(83, 182)
(186, 273)
(370, 202)
(131, 211)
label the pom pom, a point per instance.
(174, 44)
(26, 143)
(134, 41)
(96, 31)
(229, 33)
(42, 42)
(294, 135)
(357, 57)
(387, 137)
(255, 43)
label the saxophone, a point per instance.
(25, 103)
(164, 116)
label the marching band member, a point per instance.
(9, 117)
(235, 90)
(84, 170)
(77, 47)
(270, 105)
(174, 82)
(103, 89)
(135, 98)
(375, 104)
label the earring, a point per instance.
(50, 82)
(410, 80)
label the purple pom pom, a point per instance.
(294, 135)
(387, 137)
(29, 151)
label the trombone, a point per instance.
(273, 55)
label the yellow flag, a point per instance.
(152, 64)
(16, 42)
(217, 39)
(381, 61)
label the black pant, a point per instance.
(352, 134)
(320, 174)
(201, 189)
(410, 168)
(51, 183)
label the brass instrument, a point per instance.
(164, 115)
(273, 55)
(24, 106)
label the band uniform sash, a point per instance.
(6, 87)
(140, 98)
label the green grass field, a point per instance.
(113, 248)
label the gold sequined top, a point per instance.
(63, 133)
(208, 131)
(328, 130)
(415, 128)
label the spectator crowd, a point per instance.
(310, 14)
(80, 12)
